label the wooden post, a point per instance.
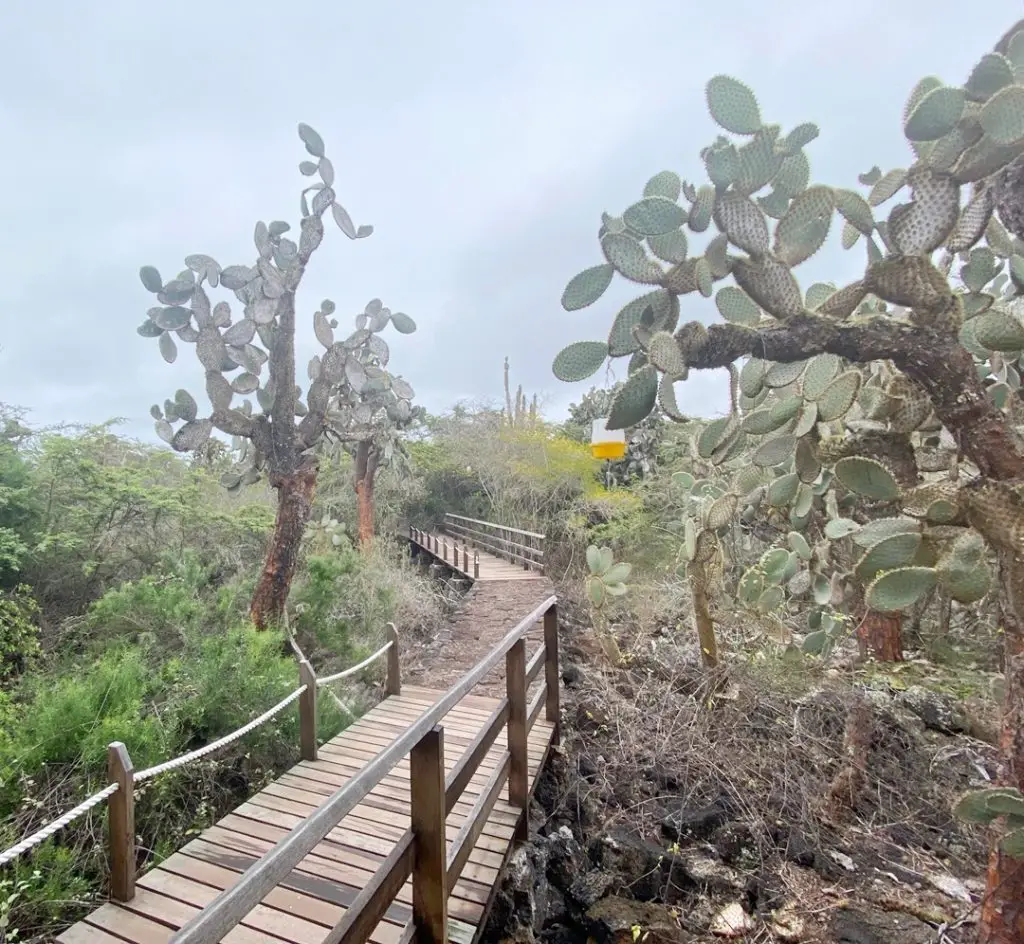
(121, 814)
(393, 685)
(430, 866)
(518, 774)
(444, 549)
(476, 565)
(307, 711)
(465, 557)
(551, 675)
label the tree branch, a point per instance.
(935, 359)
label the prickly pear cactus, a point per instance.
(249, 355)
(836, 432)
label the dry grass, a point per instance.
(660, 737)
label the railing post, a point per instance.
(551, 675)
(393, 684)
(121, 816)
(429, 871)
(476, 565)
(307, 711)
(518, 774)
(444, 549)
(465, 557)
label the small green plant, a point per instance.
(607, 579)
(11, 890)
(987, 806)
(19, 632)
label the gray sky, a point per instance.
(481, 140)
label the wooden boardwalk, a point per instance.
(481, 550)
(369, 861)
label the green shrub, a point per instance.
(19, 632)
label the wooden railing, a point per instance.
(448, 551)
(123, 777)
(420, 852)
(513, 544)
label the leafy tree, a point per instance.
(944, 356)
(350, 391)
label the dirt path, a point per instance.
(486, 614)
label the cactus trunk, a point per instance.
(294, 503)
(702, 615)
(367, 462)
(1002, 915)
(880, 636)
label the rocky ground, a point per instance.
(779, 804)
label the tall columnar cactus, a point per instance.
(945, 349)
(350, 391)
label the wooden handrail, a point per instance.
(230, 906)
(493, 524)
(461, 529)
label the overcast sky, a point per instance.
(481, 140)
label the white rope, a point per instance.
(352, 671)
(227, 739)
(49, 829)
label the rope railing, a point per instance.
(41, 835)
(185, 759)
(123, 776)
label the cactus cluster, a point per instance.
(809, 439)
(761, 201)
(349, 391)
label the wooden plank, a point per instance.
(473, 827)
(375, 898)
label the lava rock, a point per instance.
(865, 925)
(937, 712)
(697, 823)
(590, 887)
(611, 921)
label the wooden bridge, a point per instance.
(498, 552)
(394, 830)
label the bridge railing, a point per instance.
(421, 851)
(513, 544)
(123, 777)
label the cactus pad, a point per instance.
(666, 184)
(920, 227)
(898, 589)
(793, 176)
(733, 105)
(654, 216)
(664, 310)
(887, 186)
(736, 306)
(855, 210)
(580, 360)
(583, 289)
(752, 375)
(771, 285)
(838, 397)
(897, 550)
(973, 221)
(783, 490)
(635, 399)
(775, 451)
(935, 115)
(629, 259)
(740, 219)
(998, 330)
(819, 373)
(1002, 116)
(664, 353)
(669, 247)
(721, 512)
(867, 477)
(803, 229)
